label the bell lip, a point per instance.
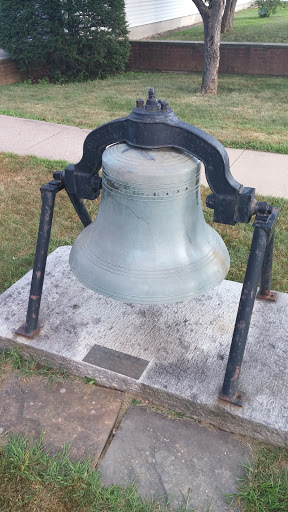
(128, 298)
(103, 270)
(131, 274)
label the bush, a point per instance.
(73, 39)
(267, 7)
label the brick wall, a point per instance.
(9, 73)
(186, 56)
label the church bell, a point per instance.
(149, 243)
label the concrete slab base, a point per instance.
(182, 348)
(175, 461)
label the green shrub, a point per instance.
(73, 39)
(267, 7)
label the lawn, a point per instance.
(248, 27)
(20, 179)
(248, 112)
(265, 488)
(33, 481)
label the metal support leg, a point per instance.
(259, 262)
(48, 193)
(80, 208)
(230, 386)
(78, 204)
(264, 292)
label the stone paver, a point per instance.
(70, 411)
(177, 460)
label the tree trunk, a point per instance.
(212, 27)
(228, 16)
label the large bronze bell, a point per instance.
(149, 243)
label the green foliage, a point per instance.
(29, 366)
(247, 27)
(30, 460)
(265, 486)
(90, 381)
(33, 480)
(69, 39)
(267, 7)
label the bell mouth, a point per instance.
(160, 286)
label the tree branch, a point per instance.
(202, 8)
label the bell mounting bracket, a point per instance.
(154, 125)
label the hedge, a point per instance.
(73, 39)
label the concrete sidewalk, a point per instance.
(267, 172)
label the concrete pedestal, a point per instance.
(173, 355)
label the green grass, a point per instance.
(12, 360)
(90, 381)
(248, 27)
(31, 480)
(249, 111)
(238, 240)
(20, 179)
(265, 487)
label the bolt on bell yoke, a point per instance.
(150, 243)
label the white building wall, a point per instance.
(149, 17)
(142, 12)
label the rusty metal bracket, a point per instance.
(155, 125)
(48, 194)
(259, 264)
